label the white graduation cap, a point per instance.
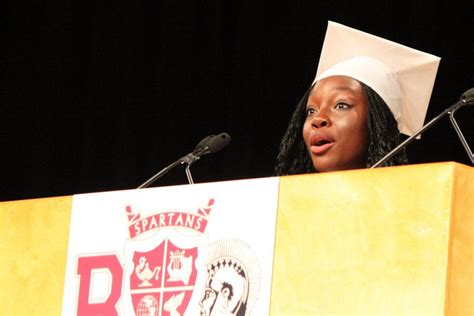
(402, 76)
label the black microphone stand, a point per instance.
(208, 145)
(159, 174)
(188, 159)
(451, 110)
(461, 136)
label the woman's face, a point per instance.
(335, 131)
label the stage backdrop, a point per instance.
(99, 96)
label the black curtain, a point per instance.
(100, 96)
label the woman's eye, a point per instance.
(310, 111)
(342, 106)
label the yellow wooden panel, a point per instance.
(363, 242)
(33, 249)
(460, 282)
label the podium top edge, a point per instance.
(452, 166)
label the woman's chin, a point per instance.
(326, 164)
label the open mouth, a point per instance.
(321, 145)
(322, 142)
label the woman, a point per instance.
(370, 135)
(353, 114)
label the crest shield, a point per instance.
(162, 280)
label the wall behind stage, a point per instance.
(100, 96)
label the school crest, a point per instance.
(161, 271)
(163, 279)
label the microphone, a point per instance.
(208, 145)
(467, 98)
(203, 143)
(212, 144)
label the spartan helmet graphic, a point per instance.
(233, 279)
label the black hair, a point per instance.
(383, 133)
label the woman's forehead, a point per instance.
(336, 84)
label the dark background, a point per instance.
(99, 96)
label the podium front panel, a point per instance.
(34, 236)
(375, 243)
(460, 279)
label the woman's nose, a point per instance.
(320, 120)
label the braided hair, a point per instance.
(294, 158)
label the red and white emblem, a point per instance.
(161, 279)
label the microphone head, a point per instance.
(216, 143)
(468, 96)
(202, 144)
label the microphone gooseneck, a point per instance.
(208, 145)
(467, 98)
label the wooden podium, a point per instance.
(389, 241)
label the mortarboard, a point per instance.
(402, 76)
